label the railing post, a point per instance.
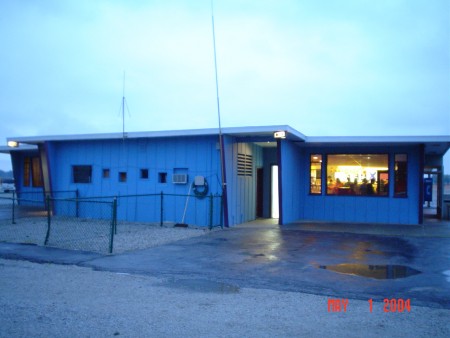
(47, 204)
(162, 210)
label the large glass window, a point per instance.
(82, 173)
(358, 174)
(401, 175)
(316, 174)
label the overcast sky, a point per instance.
(330, 67)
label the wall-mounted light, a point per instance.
(13, 144)
(279, 134)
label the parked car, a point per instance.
(7, 185)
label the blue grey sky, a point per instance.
(330, 67)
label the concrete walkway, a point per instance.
(430, 228)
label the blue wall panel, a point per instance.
(241, 189)
(196, 156)
(298, 204)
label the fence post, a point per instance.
(113, 225)
(115, 215)
(47, 204)
(13, 207)
(162, 210)
(77, 204)
(211, 209)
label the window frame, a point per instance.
(162, 177)
(403, 176)
(354, 187)
(144, 174)
(106, 173)
(318, 186)
(123, 176)
(75, 170)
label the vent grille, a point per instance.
(179, 178)
(245, 165)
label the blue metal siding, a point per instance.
(292, 172)
(199, 156)
(241, 189)
(298, 204)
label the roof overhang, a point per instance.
(253, 132)
(20, 147)
(434, 145)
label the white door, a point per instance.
(274, 202)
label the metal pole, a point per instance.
(162, 209)
(13, 207)
(115, 215)
(113, 229)
(48, 220)
(222, 152)
(77, 204)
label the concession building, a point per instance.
(268, 172)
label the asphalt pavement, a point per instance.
(335, 262)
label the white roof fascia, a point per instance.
(234, 131)
(377, 139)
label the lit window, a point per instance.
(358, 174)
(316, 174)
(400, 175)
(82, 173)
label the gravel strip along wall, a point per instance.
(130, 236)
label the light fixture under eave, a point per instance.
(13, 144)
(279, 134)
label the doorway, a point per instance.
(259, 192)
(274, 198)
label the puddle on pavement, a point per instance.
(202, 285)
(372, 271)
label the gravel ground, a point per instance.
(94, 235)
(44, 300)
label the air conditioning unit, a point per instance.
(179, 178)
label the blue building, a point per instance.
(269, 172)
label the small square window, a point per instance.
(105, 173)
(82, 173)
(162, 177)
(122, 176)
(144, 174)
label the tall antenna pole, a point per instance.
(221, 145)
(123, 107)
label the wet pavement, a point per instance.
(289, 258)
